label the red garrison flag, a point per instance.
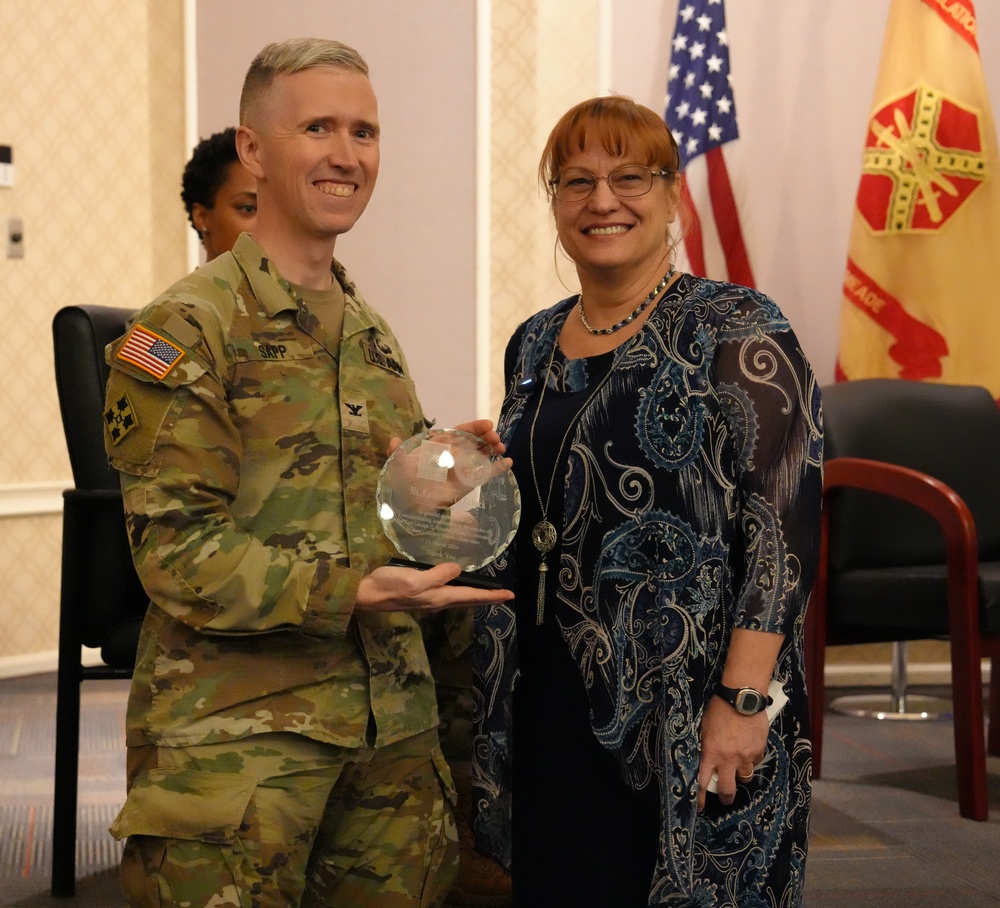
(700, 110)
(919, 295)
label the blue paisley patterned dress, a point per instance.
(687, 499)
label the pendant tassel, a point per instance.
(543, 570)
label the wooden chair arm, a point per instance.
(947, 508)
(952, 514)
(939, 500)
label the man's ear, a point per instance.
(248, 148)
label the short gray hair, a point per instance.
(292, 56)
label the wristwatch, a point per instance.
(747, 701)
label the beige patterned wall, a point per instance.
(545, 60)
(92, 102)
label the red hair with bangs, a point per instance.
(619, 125)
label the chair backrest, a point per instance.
(80, 334)
(103, 602)
(951, 432)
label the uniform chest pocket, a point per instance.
(282, 386)
(281, 366)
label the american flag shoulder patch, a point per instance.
(150, 352)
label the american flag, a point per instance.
(150, 352)
(701, 112)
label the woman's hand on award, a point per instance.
(483, 428)
(404, 589)
(433, 471)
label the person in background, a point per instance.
(219, 193)
(282, 721)
(666, 435)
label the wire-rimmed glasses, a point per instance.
(626, 182)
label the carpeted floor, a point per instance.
(885, 831)
(885, 828)
(27, 745)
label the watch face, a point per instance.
(749, 701)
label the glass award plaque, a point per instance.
(444, 495)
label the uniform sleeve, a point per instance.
(172, 437)
(771, 405)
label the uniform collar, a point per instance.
(275, 294)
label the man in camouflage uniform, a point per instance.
(282, 742)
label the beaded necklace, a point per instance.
(635, 312)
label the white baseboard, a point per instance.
(41, 663)
(32, 499)
(879, 675)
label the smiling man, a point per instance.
(282, 726)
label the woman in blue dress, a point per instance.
(666, 435)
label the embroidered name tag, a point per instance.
(150, 352)
(272, 351)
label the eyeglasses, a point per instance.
(626, 182)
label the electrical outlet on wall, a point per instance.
(6, 165)
(15, 238)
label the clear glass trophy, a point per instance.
(445, 495)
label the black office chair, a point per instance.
(102, 603)
(910, 547)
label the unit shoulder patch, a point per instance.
(120, 419)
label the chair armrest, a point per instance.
(947, 508)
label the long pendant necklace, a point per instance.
(635, 312)
(544, 534)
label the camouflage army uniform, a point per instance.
(249, 499)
